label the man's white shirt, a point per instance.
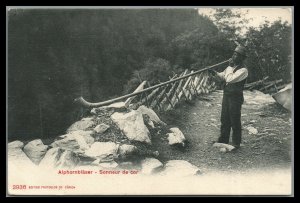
(232, 77)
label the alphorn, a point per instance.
(82, 101)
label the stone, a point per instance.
(284, 97)
(223, 145)
(126, 150)
(15, 145)
(83, 124)
(180, 168)
(223, 149)
(59, 158)
(103, 150)
(252, 130)
(152, 115)
(151, 124)
(51, 157)
(150, 166)
(77, 141)
(16, 156)
(126, 165)
(111, 164)
(84, 159)
(68, 159)
(35, 150)
(101, 128)
(132, 125)
(176, 137)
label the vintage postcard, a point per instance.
(150, 101)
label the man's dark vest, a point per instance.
(235, 89)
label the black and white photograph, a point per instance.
(153, 100)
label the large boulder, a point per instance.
(176, 137)
(150, 166)
(83, 124)
(59, 158)
(77, 141)
(180, 168)
(133, 126)
(15, 154)
(152, 115)
(35, 150)
(103, 150)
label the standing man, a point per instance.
(234, 77)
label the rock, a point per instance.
(57, 157)
(16, 156)
(15, 145)
(111, 164)
(68, 159)
(126, 165)
(126, 150)
(84, 159)
(150, 166)
(252, 130)
(176, 137)
(103, 150)
(101, 128)
(132, 125)
(148, 122)
(284, 97)
(77, 141)
(51, 157)
(153, 116)
(151, 124)
(35, 150)
(223, 149)
(223, 145)
(83, 124)
(180, 168)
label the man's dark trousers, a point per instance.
(231, 118)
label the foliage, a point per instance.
(56, 55)
(155, 70)
(270, 51)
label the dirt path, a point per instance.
(200, 123)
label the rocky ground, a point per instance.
(176, 142)
(266, 139)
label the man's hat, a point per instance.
(241, 50)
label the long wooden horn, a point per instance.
(82, 101)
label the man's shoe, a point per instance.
(236, 147)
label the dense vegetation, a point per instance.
(55, 56)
